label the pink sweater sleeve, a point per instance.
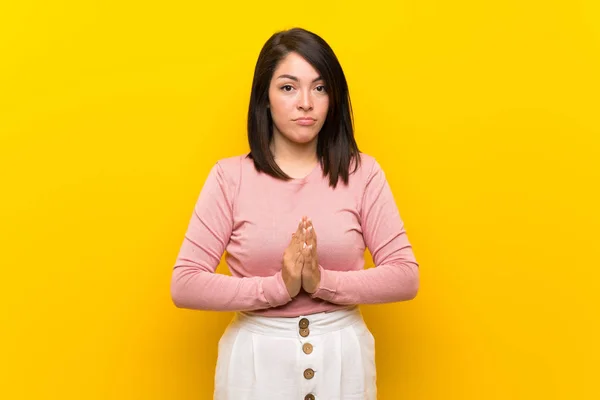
(396, 273)
(194, 283)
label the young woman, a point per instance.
(295, 216)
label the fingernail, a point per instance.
(310, 246)
(310, 228)
(304, 246)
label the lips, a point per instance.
(305, 121)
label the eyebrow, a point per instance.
(318, 78)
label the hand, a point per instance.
(311, 274)
(293, 263)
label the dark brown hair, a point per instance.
(336, 147)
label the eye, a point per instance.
(321, 88)
(287, 88)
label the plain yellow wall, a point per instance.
(485, 116)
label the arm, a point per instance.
(194, 283)
(396, 276)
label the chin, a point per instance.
(304, 138)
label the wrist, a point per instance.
(326, 287)
(275, 290)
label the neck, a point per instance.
(288, 152)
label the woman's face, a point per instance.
(297, 99)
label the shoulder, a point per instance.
(227, 170)
(231, 164)
(226, 174)
(232, 169)
(368, 168)
(234, 165)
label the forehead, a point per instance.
(294, 64)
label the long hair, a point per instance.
(336, 146)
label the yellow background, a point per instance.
(484, 115)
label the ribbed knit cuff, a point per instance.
(327, 286)
(274, 291)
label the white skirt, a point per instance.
(324, 356)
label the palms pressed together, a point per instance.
(300, 261)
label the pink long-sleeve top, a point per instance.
(251, 216)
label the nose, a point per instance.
(305, 101)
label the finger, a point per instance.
(307, 251)
(304, 231)
(311, 236)
(297, 242)
(310, 230)
(311, 243)
(311, 227)
(298, 234)
(300, 226)
(295, 239)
